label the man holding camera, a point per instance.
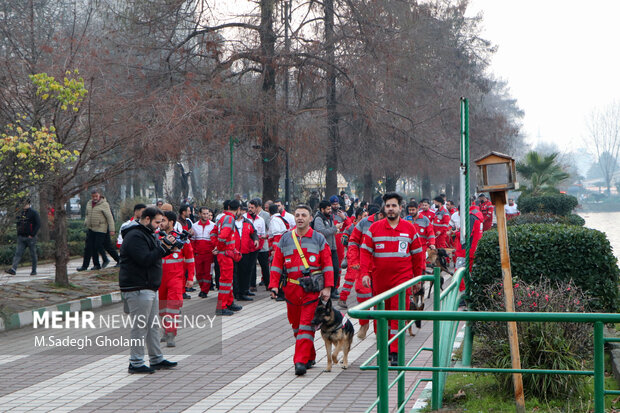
(287, 268)
(139, 279)
(173, 283)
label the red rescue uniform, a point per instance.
(362, 292)
(441, 225)
(173, 286)
(487, 212)
(301, 305)
(203, 245)
(395, 255)
(227, 240)
(476, 222)
(350, 274)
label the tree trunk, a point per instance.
(44, 232)
(269, 127)
(369, 185)
(158, 182)
(61, 254)
(331, 158)
(426, 186)
(390, 182)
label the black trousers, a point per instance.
(94, 244)
(109, 248)
(216, 269)
(336, 265)
(244, 273)
(263, 260)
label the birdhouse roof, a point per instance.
(493, 158)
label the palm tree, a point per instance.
(542, 172)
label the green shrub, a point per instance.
(45, 251)
(541, 218)
(548, 346)
(558, 204)
(556, 252)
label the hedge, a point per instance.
(538, 218)
(75, 232)
(558, 204)
(45, 251)
(555, 252)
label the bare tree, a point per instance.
(604, 135)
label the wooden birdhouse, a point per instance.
(496, 172)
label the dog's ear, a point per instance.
(328, 305)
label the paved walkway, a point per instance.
(253, 372)
(43, 271)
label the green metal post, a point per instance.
(382, 373)
(231, 166)
(465, 195)
(599, 368)
(401, 347)
(435, 395)
(467, 345)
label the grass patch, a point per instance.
(107, 275)
(471, 392)
(61, 287)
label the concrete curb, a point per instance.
(25, 318)
(425, 396)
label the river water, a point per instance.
(607, 222)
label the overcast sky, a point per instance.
(560, 59)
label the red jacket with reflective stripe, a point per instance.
(175, 264)
(227, 235)
(487, 212)
(441, 222)
(428, 214)
(425, 231)
(248, 235)
(286, 259)
(201, 241)
(396, 253)
(355, 240)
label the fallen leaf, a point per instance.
(459, 395)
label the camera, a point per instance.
(179, 239)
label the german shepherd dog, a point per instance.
(416, 303)
(336, 330)
(439, 257)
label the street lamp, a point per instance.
(287, 182)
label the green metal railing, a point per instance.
(445, 319)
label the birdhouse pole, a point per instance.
(499, 200)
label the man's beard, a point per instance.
(394, 217)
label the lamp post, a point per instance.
(287, 182)
(497, 175)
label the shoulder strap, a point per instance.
(299, 250)
(286, 224)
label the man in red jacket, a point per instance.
(362, 292)
(228, 245)
(422, 224)
(486, 208)
(249, 252)
(393, 249)
(203, 250)
(351, 274)
(425, 210)
(287, 265)
(173, 281)
(441, 223)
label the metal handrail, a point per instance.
(445, 322)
